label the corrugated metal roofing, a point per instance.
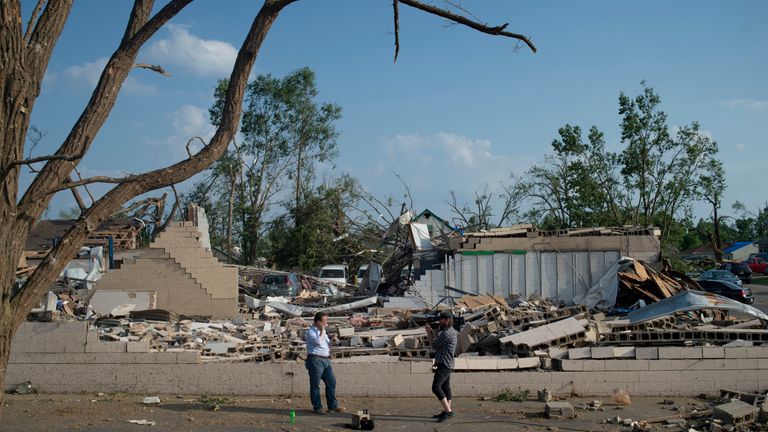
(736, 246)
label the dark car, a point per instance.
(728, 289)
(723, 275)
(280, 284)
(740, 269)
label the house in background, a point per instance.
(437, 226)
(732, 251)
(762, 245)
(739, 251)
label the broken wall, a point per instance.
(69, 358)
(181, 273)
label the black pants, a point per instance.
(441, 383)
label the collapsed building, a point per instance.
(563, 309)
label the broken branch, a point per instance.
(155, 68)
(190, 142)
(484, 28)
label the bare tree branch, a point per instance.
(79, 176)
(483, 28)
(30, 161)
(189, 152)
(33, 20)
(396, 10)
(155, 68)
(89, 180)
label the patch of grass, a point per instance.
(510, 395)
(760, 281)
(213, 400)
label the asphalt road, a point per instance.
(761, 295)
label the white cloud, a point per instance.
(745, 104)
(186, 122)
(200, 56)
(434, 165)
(460, 150)
(88, 73)
(190, 120)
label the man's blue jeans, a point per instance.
(320, 369)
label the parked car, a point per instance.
(740, 269)
(334, 273)
(724, 275)
(361, 271)
(758, 265)
(728, 289)
(280, 284)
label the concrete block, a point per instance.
(567, 365)
(106, 347)
(507, 363)
(757, 352)
(624, 352)
(594, 365)
(646, 353)
(557, 352)
(421, 367)
(735, 412)
(137, 347)
(680, 352)
(188, 357)
(399, 367)
(346, 331)
(713, 352)
(601, 353)
(559, 410)
(528, 362)
(616, 365)
(580, 353)
(745, 363)
(735, 352)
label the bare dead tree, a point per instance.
(26, 54)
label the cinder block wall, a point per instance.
(69, 358)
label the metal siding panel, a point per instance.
(458, 273)
(596, 265)
(583, 276)
(485, 274)
(469, 273)
(532, 274)
(565, 277)
(549, 274)
(517, 275)
(501, 274)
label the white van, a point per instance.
(334, 273)
(361, 274)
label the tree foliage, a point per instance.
(652, 181)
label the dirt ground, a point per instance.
(111, 412)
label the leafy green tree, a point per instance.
(660, 169)
(711, 188)
(319, 230)
(285, 132)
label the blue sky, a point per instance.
(457, 111)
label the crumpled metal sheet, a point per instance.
(691, 301)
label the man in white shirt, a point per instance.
(319, 365)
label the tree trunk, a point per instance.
(717, 244)
(229, 217)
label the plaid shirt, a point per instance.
(445, 346)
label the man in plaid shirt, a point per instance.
(444, 344)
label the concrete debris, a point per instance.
(150, 400)
(142, 422)
(736, 413)
(559, 410)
